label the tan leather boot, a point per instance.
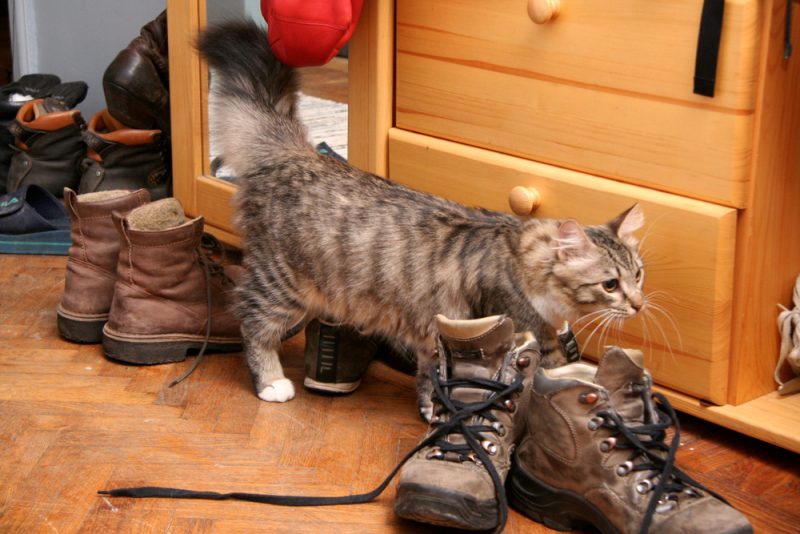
(479, 403)
(594, 453)
(169, 298)
(92, 264)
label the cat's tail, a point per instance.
(252, 97)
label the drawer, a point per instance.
(688, 247)
(604, 88)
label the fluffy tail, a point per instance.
(252, 98)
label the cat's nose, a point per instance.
(636, 302)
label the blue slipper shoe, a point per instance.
(32, 221)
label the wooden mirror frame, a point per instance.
(369, 115)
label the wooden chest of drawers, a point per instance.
(595, 110)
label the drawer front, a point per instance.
(688, 248)
(605, 87)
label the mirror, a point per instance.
(322, 104)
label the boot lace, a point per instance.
(459, 414)
(209, 248)
(650, 453)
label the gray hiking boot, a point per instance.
(594, 454)
(336, 356)
(479, 402)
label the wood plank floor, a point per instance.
(73, 422)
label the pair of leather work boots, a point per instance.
(139, 279)
(51, 151)
(576, 446)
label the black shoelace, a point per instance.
(654, 455)
(458, 415)
(209, 247)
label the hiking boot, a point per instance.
(119, 157)
(170, 298)
(336, 356)
(136, 82)
(594, 453)
(479, 402)
(48, 146)
(92, 264)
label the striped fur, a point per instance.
(322, 237)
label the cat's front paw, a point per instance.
(426, 412)
(280, 390)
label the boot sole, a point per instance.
(80, 329)
(443, 508)
(557, 509)
(331, 387)
(152, 350)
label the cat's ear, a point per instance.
(572, 241)
(626, 223)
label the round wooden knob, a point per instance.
(542, 11)
(524, 200)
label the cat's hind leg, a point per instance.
(264, 325)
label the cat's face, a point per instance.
(598, 271)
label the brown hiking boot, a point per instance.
(119, 157)
(48, 146)
(336, 356)
(594, 454)
(92, 264)
(479, 402)
(169, 298)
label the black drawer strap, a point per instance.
(705, 67)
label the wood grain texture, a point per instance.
(768, 259)
(695, 272)
(187, 90)
(371, 79)
(73, 422)
(606, 89)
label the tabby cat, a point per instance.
(324, 238)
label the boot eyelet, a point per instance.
(624, 468)
(489, 447)
(644, 486)
(523, 362)
(500, 428)
(474, 458)
(510, 405)
(434, 454)
(595, 423)
(608, 444)
(588, 398)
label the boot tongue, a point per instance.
(617, 370)
(475, 349)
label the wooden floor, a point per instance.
(73, 422)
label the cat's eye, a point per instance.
(610, 285)
(639, 275)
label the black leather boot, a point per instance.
(119, 157)
(136, 83)
(12, 97)
(48, 146)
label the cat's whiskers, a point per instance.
(595, 315)
(607, 317)
(651, 306)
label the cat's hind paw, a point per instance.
(280, 390)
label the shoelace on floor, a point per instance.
(458, 415)
(209, 246)
(648, 447)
